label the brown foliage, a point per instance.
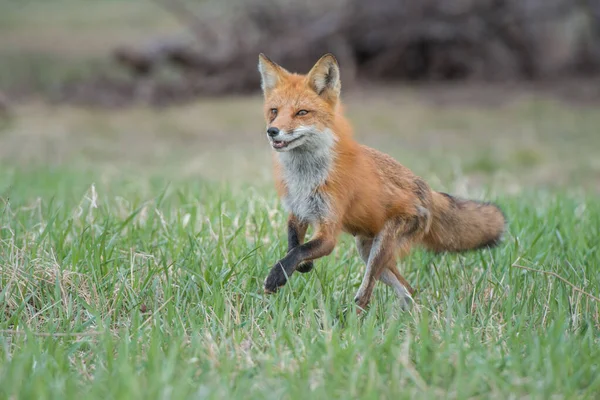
(375, 39)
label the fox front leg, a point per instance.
(321, 245)
(296, 232)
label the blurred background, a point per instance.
(502, 93)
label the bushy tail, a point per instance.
(460, 225)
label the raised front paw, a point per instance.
(276, 279)
(305, 267)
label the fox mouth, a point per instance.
(280, 144)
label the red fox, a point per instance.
(328, 180)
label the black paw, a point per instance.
(305, 267)
(276, 279)
(361, 304)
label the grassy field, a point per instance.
(134, 242)
(133, 288)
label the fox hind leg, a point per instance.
(363, 245)
(402, 292)
(379, 254)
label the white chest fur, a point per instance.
(304, 171)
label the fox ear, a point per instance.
(270, 73)
(324, 77)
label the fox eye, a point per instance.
(302, 112)
(273, 111)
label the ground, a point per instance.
(134, 244)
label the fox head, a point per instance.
(299, 109)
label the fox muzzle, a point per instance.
(272, 131)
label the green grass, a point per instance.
(160, 285)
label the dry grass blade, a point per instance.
(156, 312)
(554, 274)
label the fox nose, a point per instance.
(272, 131)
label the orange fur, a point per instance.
(368, 192)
